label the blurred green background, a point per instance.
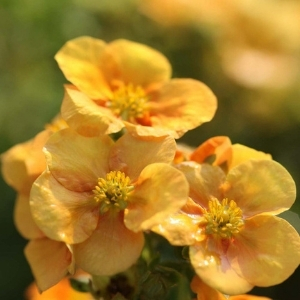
(247, 52)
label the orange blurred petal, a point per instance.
(49, 261)
(132, 154)
(112, 248)
(181, 105)
(80, 61)
(85, 116)
(267, 245)
(161, 190)
(259, 186)
(23, 219)
(62, 214)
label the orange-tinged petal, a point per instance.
(259, 186)
(204, 181)
(23, 219)
(205, 292)
(112, 248)
(217, 150)
(161, 190)
(132, 154)
(266, 252)
(181, 105)
(61, 291)
(62, 214)
(76, 161)
(134, 63)
(212, 266)
(80, 61)
(85, 116)
(24, 162)
(49, 261)
(243, 153)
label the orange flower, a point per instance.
(49, 260)
(236, 240)
(124, 83)
(99, 195)
(218, 151)
(205, 292)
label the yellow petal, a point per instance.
(24, 162)
(86, 117)
(160, 191)
(259, 186)
(204, 181)
(267, 245)
(181, 105)
(243, 153)
(111, 249)
(132, 154)
(212, 266)
(76, 161)
(134, 63)
(80, 61)
(23, 219)
(49, 261)
(61, 214)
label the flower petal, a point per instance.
(181, 105)
(267, 245)
(259, 186)
(134, 63)
(75, 161)
(243, 153)
(112, 248)
(23, 219)
(61, 214)
(86, 117)
(212, 266)
(49, 261)
(204, 181)
(132, 154)
(80, 61)
(161, 190)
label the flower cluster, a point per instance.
(106, 180)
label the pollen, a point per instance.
(112, 191)
(128, 102)
(223, 218)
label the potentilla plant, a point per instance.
(114, 208)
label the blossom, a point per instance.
(124, 83)
(99, 195)
(236, 240)
(205, 292)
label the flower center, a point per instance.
(128, 102)
(223, 218)
(112, 191)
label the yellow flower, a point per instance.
(205, 292)
(100, 195)
(236, 240)
(124, 83)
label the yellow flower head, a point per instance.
(99, 195)
(236, 240)
(124, 83)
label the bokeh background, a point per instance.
(246, 51)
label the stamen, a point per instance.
(223, 219)
(128, 102)
(112, 192)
